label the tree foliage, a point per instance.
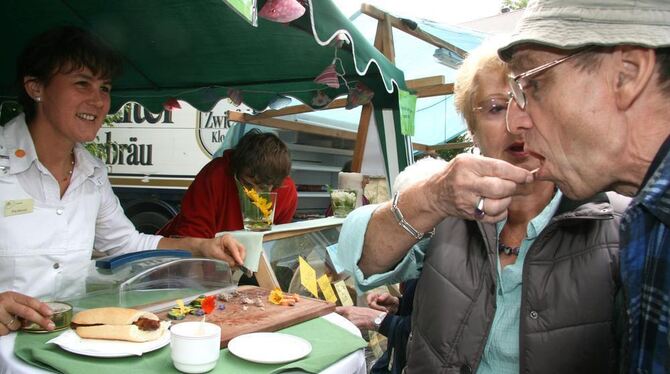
(448, 154)
(515, 4)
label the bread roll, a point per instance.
(111, 316)
(115, 324)
(129, 333)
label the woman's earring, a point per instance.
(38, 99)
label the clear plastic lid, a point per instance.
(152, 282)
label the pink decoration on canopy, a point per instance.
(320, 99)
(171, 104)
(339, 40)
(329, 77)
(360, 95)
(235, 96)
(282, 11)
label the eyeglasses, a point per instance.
(493, 106)
(517, 83)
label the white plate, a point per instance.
(70, 341)
(269, 347)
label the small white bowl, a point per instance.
(195, 346)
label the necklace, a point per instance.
(69, 173)
(508, 250)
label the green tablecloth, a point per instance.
(330, 343)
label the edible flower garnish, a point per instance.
(261, 203)
(277, 297)
(183, 309)
(208, 304)
(180, 311)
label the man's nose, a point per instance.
(516, 119)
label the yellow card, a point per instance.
(326, 289)
(375, 344)
(308, 277)
(343, 293)
(16, 207)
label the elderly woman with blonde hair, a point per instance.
(516, 277)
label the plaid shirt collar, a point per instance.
(655, 193)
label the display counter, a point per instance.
(142, 279)
(278, 266)
(273, 255)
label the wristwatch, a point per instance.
(378, 320)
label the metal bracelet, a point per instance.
(404, 224)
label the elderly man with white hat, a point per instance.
(591, 90)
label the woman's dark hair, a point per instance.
(63, 50)
(262, 156)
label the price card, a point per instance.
(343, 293)
(375, 343)
(308, 277)
(326, 289)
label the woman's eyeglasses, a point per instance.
(492, 107)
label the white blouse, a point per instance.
(46, 241)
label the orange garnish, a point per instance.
(288, 302)
(276, 296)
(208, 304)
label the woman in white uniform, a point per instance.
(57, 202)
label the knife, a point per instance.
(246, 271)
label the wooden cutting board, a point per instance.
(235, 321)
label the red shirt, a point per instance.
(211, 204)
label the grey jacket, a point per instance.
(569, 322)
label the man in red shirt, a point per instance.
(212, 203)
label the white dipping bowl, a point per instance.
(195, 346)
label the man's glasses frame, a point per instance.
(515, 81)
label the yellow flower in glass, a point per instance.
(260, 202)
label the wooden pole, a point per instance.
(361, 138)
(384, 43)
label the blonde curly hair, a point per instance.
(466, 86)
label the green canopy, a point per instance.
(195, 50)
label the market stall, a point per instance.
(202, 52)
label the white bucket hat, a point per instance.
(571, 24)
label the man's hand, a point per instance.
(15, 306)
(363, 318)
(383, 302)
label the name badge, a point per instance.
(16, 207)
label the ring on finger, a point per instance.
(479, 208)
(10, 321)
